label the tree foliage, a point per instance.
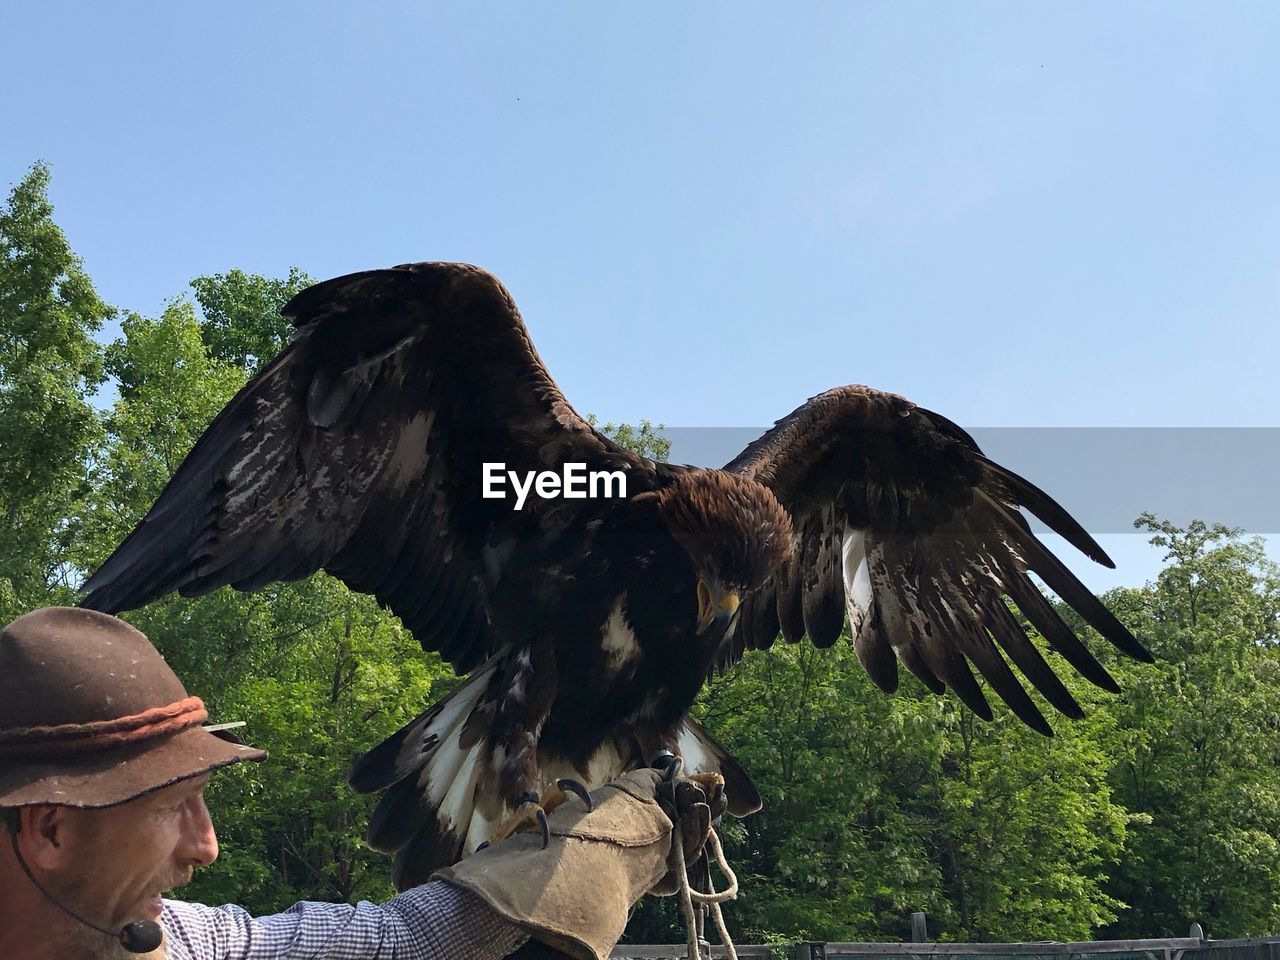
(50, 366)
(1200, 738)
(645, 438)
(241, 322)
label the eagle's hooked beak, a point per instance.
(715, 606)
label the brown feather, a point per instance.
(734, 529)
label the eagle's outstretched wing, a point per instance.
(901, 522)
(359, 450)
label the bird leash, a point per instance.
(671, 767)
(711, 900)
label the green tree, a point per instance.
(50, 366)
(877, 806)
(241, 322)
(1200, 739)
(644, 438)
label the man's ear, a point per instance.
(43, 837)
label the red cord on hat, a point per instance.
(102, 734)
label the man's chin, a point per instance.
(151, 908)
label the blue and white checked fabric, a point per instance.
(431, 922)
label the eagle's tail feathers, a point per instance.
(430, 770)
(428, 851)
(398, 816)
(449, 829)
(413, 746)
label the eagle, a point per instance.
(586, 626)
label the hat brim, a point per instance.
(117, 776)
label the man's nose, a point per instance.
(199, 843)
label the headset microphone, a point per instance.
(141, 936)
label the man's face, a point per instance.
(118, 860)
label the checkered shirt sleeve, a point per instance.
(430, 922)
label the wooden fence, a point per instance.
(1185, 948)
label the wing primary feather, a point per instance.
(870, 643)
(1050, 511)
(914, 662)
(991, 665)
(763, 624)
(961, 679)
(143, 569)
(790, 606)
(1064, 583)
(823, 603)
(1060, 637)
(1006, 631)
(876, 655)
(952, 668)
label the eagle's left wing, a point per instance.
(361, 449)
(901, 522)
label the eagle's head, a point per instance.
(735, 532)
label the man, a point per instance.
(103, 764)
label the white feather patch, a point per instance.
(447, 756)
(604, 765)
(857, 578)
(459, 801)
(618, 639)
(696, 758)
(409, 457)
(481, 828)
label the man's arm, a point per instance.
(435, 921)
(572, 895)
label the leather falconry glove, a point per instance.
(574, 895)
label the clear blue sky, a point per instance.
(1016, 214)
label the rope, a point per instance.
(104, 734)
(689, 896)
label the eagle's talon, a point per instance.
(712, 785)
(528, 811)
(578, 790)
(532, 808)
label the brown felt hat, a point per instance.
(92, 716)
